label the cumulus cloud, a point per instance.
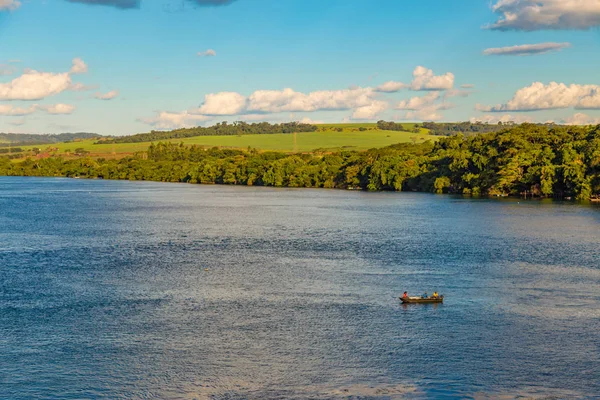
(539, 96)
(123, 4)
(581, 119)
(34, 85)
(10, 110)
(426, 114)
(424, 108)
(494, 119)
(370, 111)
(307, 120)
(207, 53)
(9, 5)
(424, 79)
(58, 108)
(363, 103)
(174, 120)
(223, 103)
(107, 96)
(361, 100)
(526, 49)
(79, 66)
(418, 103)
(391, 87)
(271, 101)
(531, 15)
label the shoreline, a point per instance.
(340, 190)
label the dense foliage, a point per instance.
(223, 128)
(466, 128)
(389, 126)
(29, 139)
(537, 160)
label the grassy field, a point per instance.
(350, 138)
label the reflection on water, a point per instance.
(147, 290)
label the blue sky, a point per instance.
(146, 67)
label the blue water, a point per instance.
(149, 290)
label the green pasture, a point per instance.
(348, 139)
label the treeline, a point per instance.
(22, 139)
(535, 160)
(222, 128)
(466, 128)
(10, 150)
(391, 126)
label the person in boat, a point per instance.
(405, 295)
(425, 295)
(436, 295)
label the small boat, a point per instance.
(427, 300)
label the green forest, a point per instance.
(219, 129)
(536, 160)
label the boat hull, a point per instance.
(420, 300)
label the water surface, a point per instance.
(149, 290)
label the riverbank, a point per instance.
(526, 160)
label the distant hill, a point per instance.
(21, 139)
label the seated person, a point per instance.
(425, 295)
(405, 295)
(435, 295)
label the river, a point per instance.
(113, 289)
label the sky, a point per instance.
(120, 67)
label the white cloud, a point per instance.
(307, 120)
(58, 108)
(79, 66)
(207, 53)
(363, 103)
(272, 101)
(426, 114)
(424, 108)
(107, 96)
(424, 79)
(418, 103)
(494, 119)
(581, 119)
(538, 96)
(391, 87)
(9, 5)
(370, 111)
(34, 85)
(526, 49)
(288, 100)
(80, 87)
(174, 120)
(223, 103)
(531, 15)
(9, 110)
